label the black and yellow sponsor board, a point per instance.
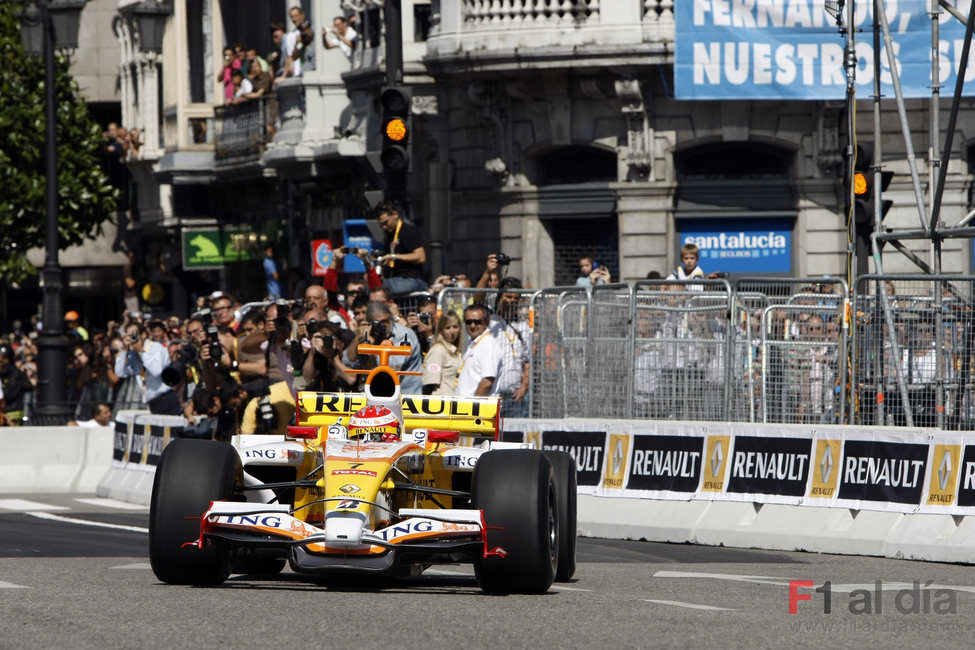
(586, 447)
(767, 465)
(120, 452)
(878, 471)
(666, 463)
(617, 452)
(825, 469)
(716, 456)
(945, 468)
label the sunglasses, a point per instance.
(473, 321)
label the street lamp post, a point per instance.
(52, 21)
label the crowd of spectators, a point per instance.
(236, 363)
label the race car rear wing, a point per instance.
(478, 416)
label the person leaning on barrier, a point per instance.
(101, 416)
(442, 363)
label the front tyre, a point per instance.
(566, 484)
(516, 489)
(191, 474)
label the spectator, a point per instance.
(242, 87)
(513, 338)
(298, 50)
(145, 360)
(383, 328)
(101, 416)
(689, 256)
(404, 257)
(342, 36)
(277, 56)
(14, 387)
(230, 63)
(92, 383)
(384, 295)
(130, 283)
(259, 81)
(422, 320)
(490, 279)
(591, 273)
(324, 369)
(272, 274)
(481, 363)
(223, 311)
(442, 363)
(72, 326)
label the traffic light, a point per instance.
(864, 192)
(395, 102)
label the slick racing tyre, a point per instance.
(564, 467)
(516, 489)
(191, 473)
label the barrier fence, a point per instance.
(899, 352)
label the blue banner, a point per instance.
(740, 246)
(790, 49)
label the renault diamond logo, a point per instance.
(944, 470)
(618, 456)
(717, 457)
(826, 465)
(349, 488)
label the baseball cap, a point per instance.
(72, 315)
(511, 283)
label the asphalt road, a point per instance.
(75, 574)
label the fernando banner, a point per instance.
(898, 470)
(791, 49)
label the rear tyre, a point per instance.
(191, 474)
(516, 490)
(566, 483)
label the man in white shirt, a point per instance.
(342, 36)
(481, 364)
(512, 335)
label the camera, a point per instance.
(282, 321)
(311, 326)
(204, 315)
(134, 337)
(503, 260)
(213, 342)
(378, 332)
(349, 251)
(425, 317)
(267, 417)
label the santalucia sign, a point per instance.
(791, 49)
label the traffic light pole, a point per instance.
(393, 18)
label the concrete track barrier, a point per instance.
(53, 459)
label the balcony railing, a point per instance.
(243, 130)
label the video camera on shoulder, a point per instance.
(213, 342)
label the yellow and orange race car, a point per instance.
(376, 482)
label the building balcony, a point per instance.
(486, 35)
(242, 131)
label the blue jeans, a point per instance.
(402, 286)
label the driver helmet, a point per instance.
(375, 423)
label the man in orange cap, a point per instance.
(72, 326)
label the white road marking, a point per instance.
(85, 522)
(22, 505)
(138, 565)
(10, 585)
(677, 603)
(759, 580)
(556, 587)
(111, 503)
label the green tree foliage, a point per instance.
(86, 199)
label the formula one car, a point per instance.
(367, 483)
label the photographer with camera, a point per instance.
(323, 369)
(422, 321)
(382, 327)
(272, 406)
(145, 360)
(591, 273)
(494, 269)
(214, 414)
(402, 263)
